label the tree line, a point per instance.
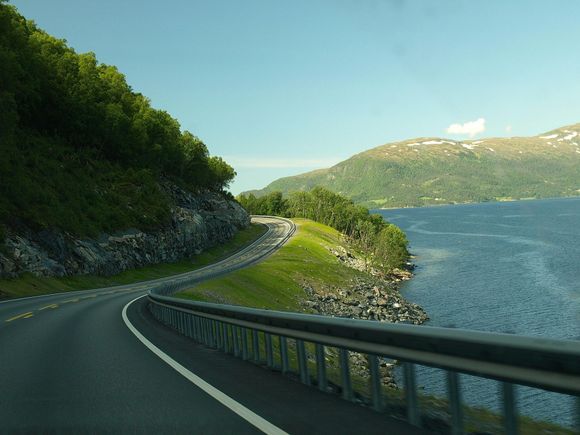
(50, 89)
(80, 149)
(384, 244)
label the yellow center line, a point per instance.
(28, 316)
(70, 300)
(48, 306)
(25, 315)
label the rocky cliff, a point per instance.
(197, 222)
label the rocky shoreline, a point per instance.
(375, 297)
(197, 223)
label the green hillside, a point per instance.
(79, 149)
(425, 171)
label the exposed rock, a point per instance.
(197, 222)
(374, 298)
(350, 260)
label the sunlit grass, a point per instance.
(276, 283)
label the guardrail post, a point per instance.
(455, 406)
(227, 338)
(375, 379)
(321, 367)
(413, 414)
(188, 325)
(510, 413)
(244, 343)
(345, 375)
(218, 334)
(269, 353)
(202, 332)
(302, 362)
(255, 345)
(213, 328)
(235, 340)
(208, 332)
(180, 322)
(222, 337)
(285, 366)
(198, 335)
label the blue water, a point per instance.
(502, 267)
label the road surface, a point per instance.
(69, 363)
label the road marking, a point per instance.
(28, 316)
(48, 306)
(251, 417)
(70, 300)
(25, 315)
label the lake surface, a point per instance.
(502, 267)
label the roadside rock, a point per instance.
(374, 298)
(197, 223)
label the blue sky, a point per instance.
(278, 88)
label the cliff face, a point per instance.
(197, 222)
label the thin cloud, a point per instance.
(508, 128)
(273, 163)
(470, 128)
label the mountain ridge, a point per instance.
(434, 170)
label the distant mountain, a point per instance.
(431, 170)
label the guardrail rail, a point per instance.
(552, 365)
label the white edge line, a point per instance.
(251, 417)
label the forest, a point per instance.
(80, 149)
(384, 245)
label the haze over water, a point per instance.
(500, 267)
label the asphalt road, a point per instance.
(70, 364)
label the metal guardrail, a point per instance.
(552, 365)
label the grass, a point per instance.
(276, 283)
(30, 285)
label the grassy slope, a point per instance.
(276, 282)
(30, 285)
(496, 169)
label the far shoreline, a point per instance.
(452, 204)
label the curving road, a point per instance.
(70, 363)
